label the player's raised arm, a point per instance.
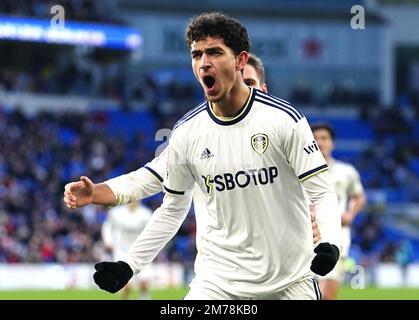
(139, 184)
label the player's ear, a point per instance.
(241, 60)
(264, 87)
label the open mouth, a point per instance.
(209, 81)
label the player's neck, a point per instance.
(233, 103)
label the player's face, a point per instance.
(215, 66)
(324, 141)
(250, 78)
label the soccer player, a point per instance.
(148, 180)
(122, 226)
(251, 154)
(347, 184)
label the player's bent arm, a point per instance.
(166, 220)
(84, 192)
(133, 186)
(314, 226)
(310, 166)
(162, 226)
(103, 195)
(356, 203)
(324, 199)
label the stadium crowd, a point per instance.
(80, 10)
(41, 153)
(392, 160)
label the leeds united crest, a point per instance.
(260, 142)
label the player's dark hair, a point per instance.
(218, 25)
(257, 63)
(325, 126)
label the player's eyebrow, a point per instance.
(210, 50)
(195, 52)
(213, 49)
(250, 80)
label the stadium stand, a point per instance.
(40, 152)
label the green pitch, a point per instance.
(179, 293)
(162, 294)
(379, 294)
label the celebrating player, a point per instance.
(247, 152)
(253, 240)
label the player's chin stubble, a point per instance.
(215, 99)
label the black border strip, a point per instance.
(174, 191)
(302, 176)
(154, 173)
(248, 106)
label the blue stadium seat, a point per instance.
(66, 135)
(414, 165)
(131, 122)
(350, 128)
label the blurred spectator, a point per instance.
(80, 10)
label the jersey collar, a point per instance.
(243, 113)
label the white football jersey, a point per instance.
(141, 183)
(253, 222)
(122, 226)
(347, 183)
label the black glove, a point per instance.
(326, 258)
(112, 276)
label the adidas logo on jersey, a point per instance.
(206, 154)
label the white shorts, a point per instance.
(139, 279)
(304, 289)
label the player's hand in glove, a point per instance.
(112, 276)
(327, 255)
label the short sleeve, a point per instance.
(302, 151)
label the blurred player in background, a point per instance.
(351, 197)
(122, 226)
(120, 229)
